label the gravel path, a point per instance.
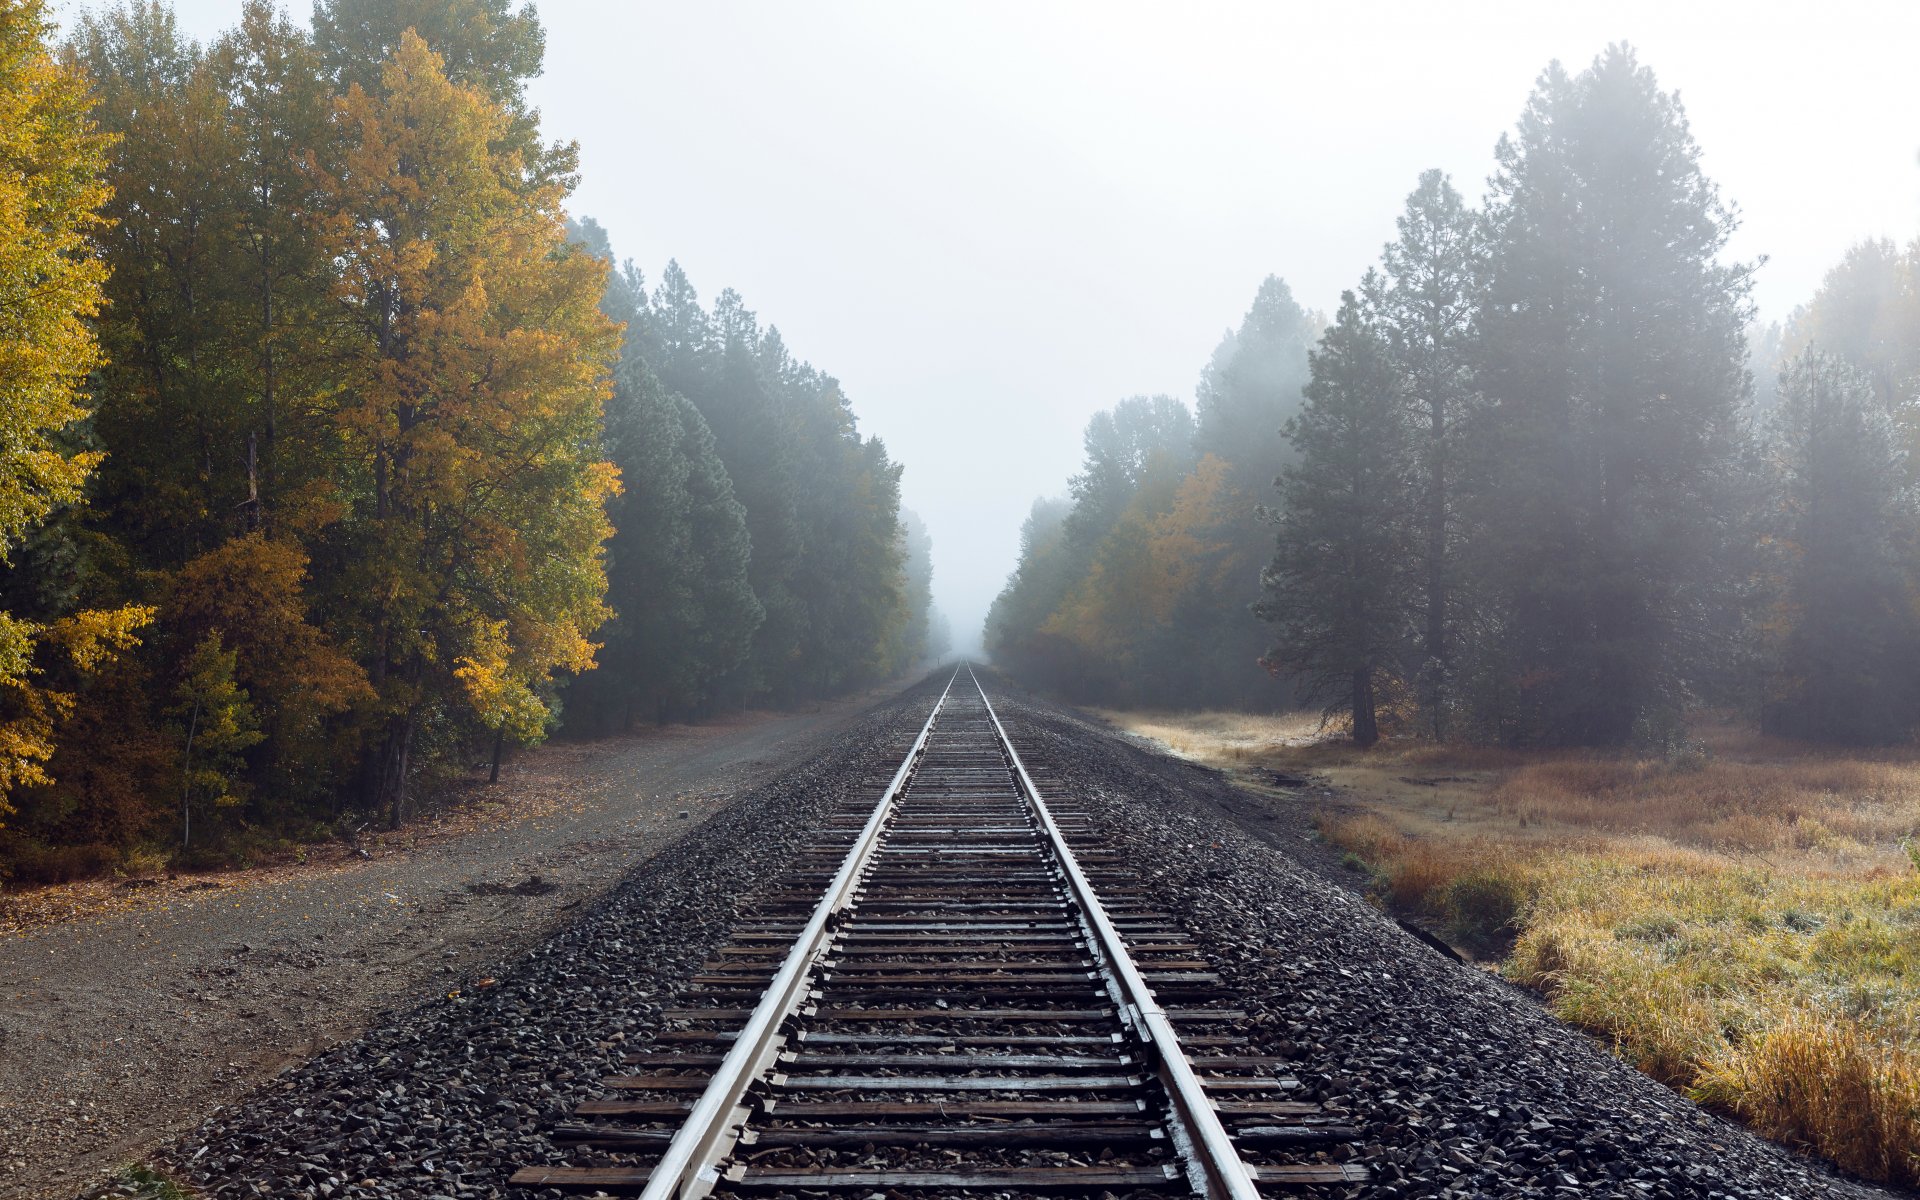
(123, 1030)
(1462, 1085)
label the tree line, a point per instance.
(1522, 487)
(336, 457)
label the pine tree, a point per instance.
(1247, 393)
(1867, 314)
(1252, 387)
(1341, 586)
(1425, 300)
(1842, 637)
(1611, 351)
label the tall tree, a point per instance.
(1041, 578)
(1120, 446)
(1867, 314)
(51, 193)
(677, 564)
(1341, 587)
(915, 641)
(1843, 634)
(484, 44)
(1249, 390)
(1424, 298)
(1252, 387)
(1612, 352)
(472, 416)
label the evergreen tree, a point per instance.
(1252, 387)
(1121, 444)
(1611, 352)
(1842, 639)
(1424, 298)
(1210, 648)
(1867, 314)
(1341, 587)
(1039, 584)
(677, 564)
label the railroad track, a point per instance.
(955, 988)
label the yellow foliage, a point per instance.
(1189, 542)
(477, 396)
(30, 714)
(51, 190)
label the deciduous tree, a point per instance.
(51, 192)
(471, 414)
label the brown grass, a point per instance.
(1741, 921)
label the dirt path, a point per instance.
(125, 1028)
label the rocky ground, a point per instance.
(1462, 1085)
(127, 1014)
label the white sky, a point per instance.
(990, 220)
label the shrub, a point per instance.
(29, 862)
(1827, 1084)
(1484, 907)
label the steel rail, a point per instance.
(687, 1169)
(1213, 1165)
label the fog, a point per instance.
(991, 221)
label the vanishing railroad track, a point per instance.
(954, 989)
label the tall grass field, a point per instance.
(1740, 921)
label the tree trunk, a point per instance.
(186, 782)
(392, 783)
(1366, 729)
(499, 743)
(253, 482)
(1436, 641)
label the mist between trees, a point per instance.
(1540, 480)
(335, 459)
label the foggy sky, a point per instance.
(992, 220)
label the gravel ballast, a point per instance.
(1461, 1084)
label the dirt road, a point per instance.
(119, 1031)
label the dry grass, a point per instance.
(1221, 737)
(1742, 922)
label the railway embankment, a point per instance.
(1456, 1083)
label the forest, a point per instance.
(338, 459)
(1541, 480)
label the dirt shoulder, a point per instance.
(132, 1018)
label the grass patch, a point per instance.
(144, 1183)
(1741, 921)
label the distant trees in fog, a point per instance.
(329, 465)
(1521, 489)
(1135, 590)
